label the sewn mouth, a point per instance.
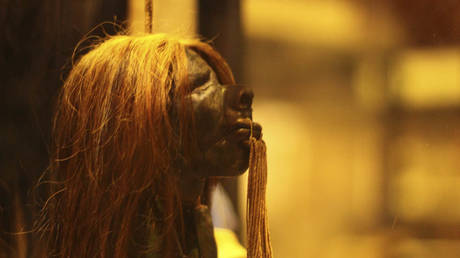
(241, 130)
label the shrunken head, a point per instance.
(135, 115)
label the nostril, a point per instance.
(246, 98)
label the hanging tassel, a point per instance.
(259, 245)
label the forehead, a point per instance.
(196, 64)
(199, 71)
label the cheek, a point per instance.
(220, 152)
(208, 110)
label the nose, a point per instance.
(245, 98)
(239, 97)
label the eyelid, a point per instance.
(202, 87)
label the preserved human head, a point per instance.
(136, 116)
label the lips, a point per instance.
(241, 130)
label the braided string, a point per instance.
(259, 245)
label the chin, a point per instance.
(226, 159)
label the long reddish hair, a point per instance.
(117, 138)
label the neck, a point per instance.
(191, 189)
(197, 225)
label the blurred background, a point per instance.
(359, 101)
(360, 105)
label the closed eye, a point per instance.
(200, 79)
